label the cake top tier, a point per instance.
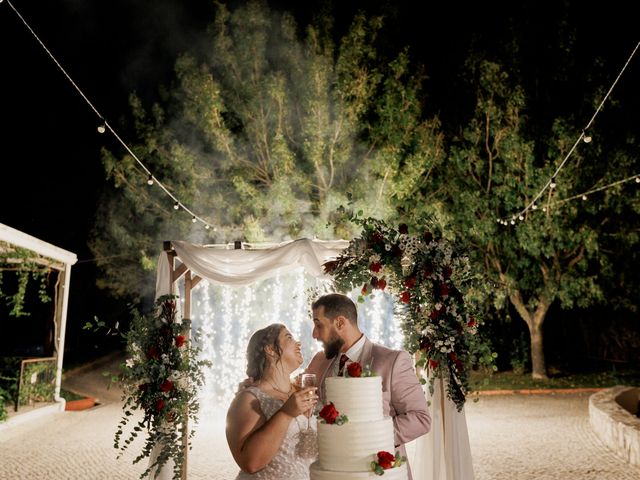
(360, 399)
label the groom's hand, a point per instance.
(247, 382)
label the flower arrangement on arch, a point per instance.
(160, 379)
(385, 460)
(431, 282)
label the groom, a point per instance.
(335, 320)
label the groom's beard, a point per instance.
(332, 348)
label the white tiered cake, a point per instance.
(346, 451)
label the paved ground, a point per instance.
(524, 437)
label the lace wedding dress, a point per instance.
(299, 447)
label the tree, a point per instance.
(493, 170)
(264, 135)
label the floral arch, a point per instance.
(428, 278)
(426, 275)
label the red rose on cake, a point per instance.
(354, 369)
(329, 413)
(386, 460)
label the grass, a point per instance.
(510, 380)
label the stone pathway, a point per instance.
(524, 437)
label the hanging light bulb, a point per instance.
(553, 183)
(586, 137)
(544, 209)
(176, 206)
(194, 219)
(206, 226)
(102, 127)
(520, 218)
(150, 180)
(513, 222)
(584, 197)
(637, 179)
(534, 207)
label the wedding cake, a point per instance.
(347, 450)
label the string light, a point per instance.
(150, 180)
(104, 125)
(583, 137)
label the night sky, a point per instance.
(51, 173)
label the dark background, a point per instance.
(50, 170)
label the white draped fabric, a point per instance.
(443, 454)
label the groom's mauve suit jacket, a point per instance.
(402, 396)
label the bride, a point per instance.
(267, 427)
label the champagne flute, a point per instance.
(308, 380)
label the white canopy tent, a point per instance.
(443, 454)
(58, 259)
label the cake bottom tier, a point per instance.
(351, 447)
(317, 473)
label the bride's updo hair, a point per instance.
(256, 350)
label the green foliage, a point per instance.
(27, 266)
(38, 382)
(160, 379)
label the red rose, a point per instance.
(428, 237)
(433, 364)
(165, 332)
(386, 460)
(159, 405)
(405, 296)
(143, 386)
(471, 323)
(180, 340)
(452, 356)
(434, 314)
(425, 345)
(166, 386)
(403, 228)
(354, 369)
(330, 266)
(153, 353)
(364, 289)
(427, 271)
(446, 272)
(375, 267)
(410, 282)
(444, 290)
(377, 237)
(382, 283)
(329, 413)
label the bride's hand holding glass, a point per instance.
(301, 402)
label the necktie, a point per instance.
(343, 360)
